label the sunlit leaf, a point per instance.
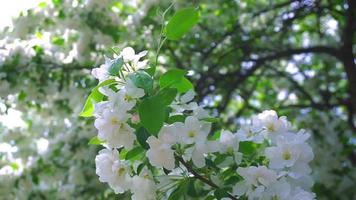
(152, 113)
(95, 96)
(181, 22)
(95, 141)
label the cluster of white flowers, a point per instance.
(284, 174)
(112, 122)
(288, 172)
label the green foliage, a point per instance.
(135, 153)
(170, 77)
(176, 118)
(58, 41)
(182, 21)
(142, 134)
(95, 141)
(221, 193)
(152, 111)
(247, 147)
(116, 66)
(180, 191)
(184, 85)
(174, 78)
(212, 119)
(167, 95)
(142, 80)
(94, 96)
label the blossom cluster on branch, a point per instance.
(158, 141)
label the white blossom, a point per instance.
(160, 153)
(247, 133)
(102, 73)
(198, 152)
(192, 130)
(113, 129)
(143, 187)
(270, 125)
(278, 190)
(229, 143)
(133, 59)
(256, 181)
(131, 91)
(184, 102)
(116, 101)
(300, 194)
(113, 171)
(291, 154)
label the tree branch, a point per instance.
(347, 56)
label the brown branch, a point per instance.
(347, 56)
(200, 177)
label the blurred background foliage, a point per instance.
(296, 57)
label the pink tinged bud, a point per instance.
(135, 119)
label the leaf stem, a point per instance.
(159, 48)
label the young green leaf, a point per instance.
(247, 147)
(151, 70)
(95, 141)
(116, 66)
(180, 191)
(182, 86)
(94, 96)
(142, 80)
(212, 119)
(170, 77)
(152, 113)
(134, 153)
(167, 95)
(142, 135)
(181, 22)
(176, 118)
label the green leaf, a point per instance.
(134, 153)
(219, 159)
(211, 119)
(116, 66)
(95, 141)
(168, 95)
(142, 80)
(152, 112)
(58, 41)
(22, 95)
(171, 77)
(151, 70)
(215, 136)
(221, 193)
(14, 166)
(195, 190)
(42, 4)
(95, 96)
(140, 168)
(247, 147)
(180, 191)
(142, 134)
(122, 154)
(176, 118)
(182, 86)
(181, 22)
